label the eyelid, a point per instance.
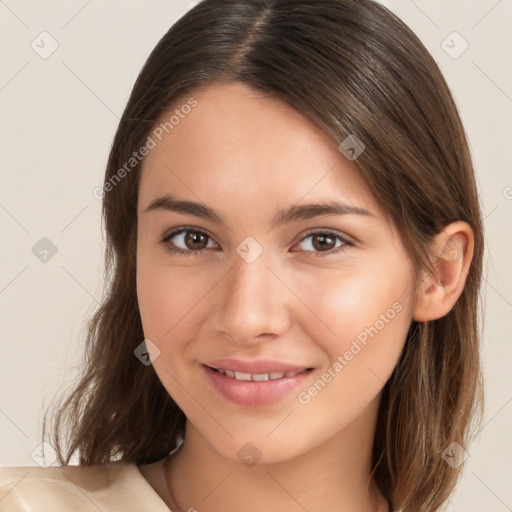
(345, 245)
(176, 231)
(328, 231)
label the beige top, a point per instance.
(115, 486)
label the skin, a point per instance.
(246, 156)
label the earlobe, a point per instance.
(438, 292)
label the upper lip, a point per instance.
(255, 366)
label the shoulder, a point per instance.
(81, 474)
(112, 486)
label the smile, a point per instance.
(258, 377)
(255, 389)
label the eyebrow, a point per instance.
(292, 214)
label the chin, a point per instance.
(252, 447)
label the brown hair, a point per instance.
(352, 67)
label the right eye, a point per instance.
(188, 241)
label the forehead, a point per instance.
(239, 144)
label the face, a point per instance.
(255, 274)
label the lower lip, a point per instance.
(252, 393)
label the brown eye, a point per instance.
(323, 243)
(187, 241)
(195, 240)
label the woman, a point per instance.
(294, 259)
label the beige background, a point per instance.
(58, 116)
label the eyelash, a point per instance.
(166, 241)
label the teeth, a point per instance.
(260, 377)
(242, 376)
(257, 377)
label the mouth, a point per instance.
(251, 390)
(257, 377)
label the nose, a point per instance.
(253, 304)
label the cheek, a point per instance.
(170, 303)
(168, 299)
(367, 320)
(361, 358)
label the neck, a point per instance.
(331, 477)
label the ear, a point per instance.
(438, 292)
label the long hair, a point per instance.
(353, 68)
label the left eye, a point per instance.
(322, 242)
